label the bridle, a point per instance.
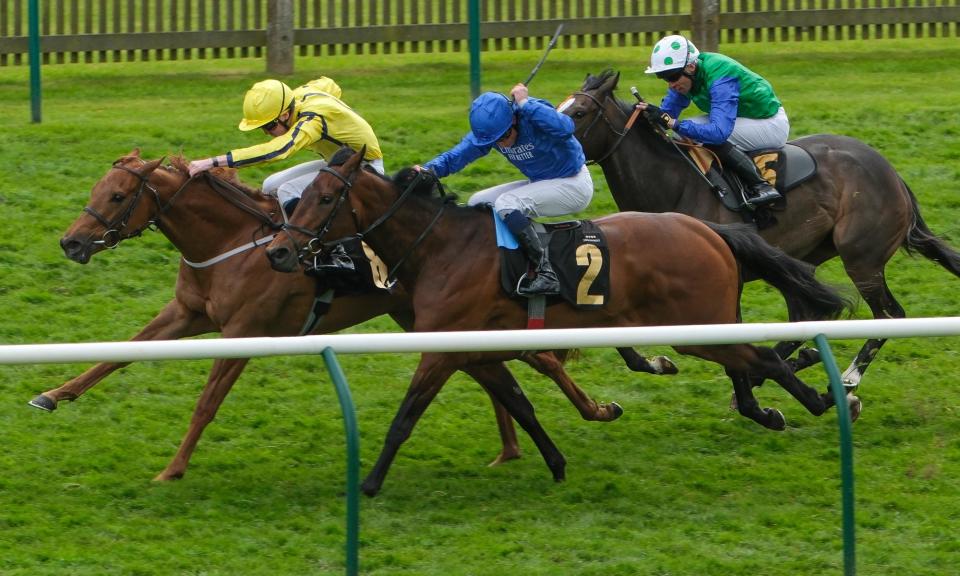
(115, 230)
(621, 134)
(316, 245)
(628, 125)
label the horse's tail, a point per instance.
(807, 298)
(921, 239)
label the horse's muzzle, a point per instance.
(76, 250)
(283, 259)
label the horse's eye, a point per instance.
(326, 199)
(117, 197)
(578, 114)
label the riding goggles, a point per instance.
(670, 75)
(270, 125)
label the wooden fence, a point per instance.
(125, 30)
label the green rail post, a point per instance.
(353, 459)
(846, 454)
(473, 16)
(34, 49)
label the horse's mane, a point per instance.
(180, 165)
(428, 187)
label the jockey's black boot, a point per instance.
(759, 191)
(546, 282)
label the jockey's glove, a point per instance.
(657, 116)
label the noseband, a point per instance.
(317, 246)
(114, 232)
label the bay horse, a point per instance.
(665, 269)
(239, 295)
(856, 207)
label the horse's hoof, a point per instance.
(775, 419)
(167, 476)
(664, 366)
(808, 357)
(616, 409)
(504, 457)
(369, 489)
(44, 403)
(856, 406)
(733, 402)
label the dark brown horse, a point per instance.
(239, 295)
(664, 269)
(856, 206)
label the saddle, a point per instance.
(578, 253)
(348, 267)
(784, 168)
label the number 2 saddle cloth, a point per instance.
(577, 251)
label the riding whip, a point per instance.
(553, 42)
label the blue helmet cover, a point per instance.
(491, 115)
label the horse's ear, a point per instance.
(353, 164)
(135, 153)
(149, 167)
(611, 82)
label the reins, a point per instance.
(118, 225)
(629, 125)
(316, 243)
(225, 189)
(601, 114)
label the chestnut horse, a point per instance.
(239, 295)
(665, 269)
(856, 206)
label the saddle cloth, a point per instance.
(578, 253)
(784, 168)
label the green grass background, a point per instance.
(679, 485)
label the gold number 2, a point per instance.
(590, 256)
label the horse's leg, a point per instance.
(501, 385)
(873, 287)
(762, 362)
(173, 322)
(222, 377)
(805, 358)
(747, 405)
(432, 373)
(548, 365)
(509, 446)
(656, 365)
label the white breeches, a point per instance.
(555, 197)
(290, 183)
(751, 134)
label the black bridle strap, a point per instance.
(396, 205)
(234, 195)
(626, 130)
(601, 114)
(118, 225)
(348, 185)
(391, 275)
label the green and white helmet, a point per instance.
(672, 53)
